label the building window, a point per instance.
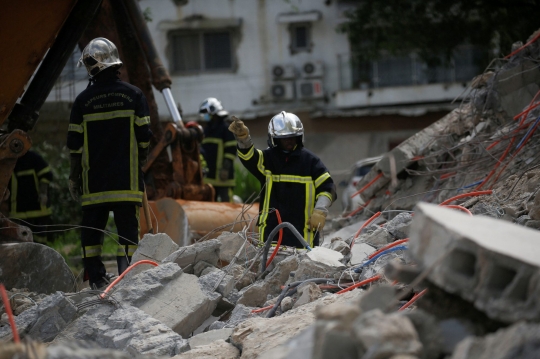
(300, 37)
(201, 51)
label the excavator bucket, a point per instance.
(186, 221)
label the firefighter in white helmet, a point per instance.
(294, 180)
(219, 148)
(108, 139)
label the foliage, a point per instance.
(246, 183)
(434, 28)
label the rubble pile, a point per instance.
(400, 278)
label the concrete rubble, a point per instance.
(402, 278)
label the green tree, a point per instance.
(434, 28)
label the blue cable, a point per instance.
(471, 185)
(389, 250)
(528, 131)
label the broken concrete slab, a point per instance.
(307, 293)
(218, 279)
(210, 337)
(216, 350)
(187, 257)
(44, 321)
(242, 277)
(308, 269)
(360, 252)
(474, 258)
(231, 244)
(124, 328)
(382, 298)
(36, 267)
(399, 226)
(170, 296)
(259, 335)
(239, 314)
(386, 335)
(154, 247)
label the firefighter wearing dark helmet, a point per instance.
(294, 180)
(108, 139)
(219, 148)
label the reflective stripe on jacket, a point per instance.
(290, 183)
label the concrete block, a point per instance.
(170, 296)
(239, 314)
(201, 266)
(210, 336)
(340, 246)
(242, 280)
(218, 349)
(399, 226)
(308, 269)
(491, 263)
(231, 243)
(326, 256)
(187, 257)
(381, 297)
(36, 267)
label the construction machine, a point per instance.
(38, 38)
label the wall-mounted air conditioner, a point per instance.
(282, 90)
(307, 89)
(283, 72)
(313, 69)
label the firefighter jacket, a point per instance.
(291, 183)
(109, 124)
(218, 144)
(30, 171)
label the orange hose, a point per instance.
(413, 299)
(461, 208)
(447, 175)
(359, 208)
(7, 307)
(463, 195)
(368, 185)
(388, 246)
(278, 243)
(522, 47)
(366, 223)
(359, 284)
(262, 309)
(144, 261)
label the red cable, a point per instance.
(278, 242)
(463, 195)
(522, 47)
(144, 261)
(388, 246)
(359, 284)
(366, 223)
(413, 299)
(262, 309)
(368, 185)
(446, 175)
(7, 307)
(359, 208)
(461, 208)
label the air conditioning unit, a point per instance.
(282, 90)
(313, 69)
(283, 72)
(309, 89)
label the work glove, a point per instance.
(75, 182)
(239, 129)
(317, 220)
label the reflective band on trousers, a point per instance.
(92, 251)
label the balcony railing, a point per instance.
(407, 70)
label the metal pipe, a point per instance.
(171, 105)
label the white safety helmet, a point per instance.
(98, 55)
(210, 107)
(283, 125)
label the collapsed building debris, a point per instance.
(394, 279)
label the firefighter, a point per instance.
(219, 149)
(29, 186)
(294, 181)
(108, 140)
